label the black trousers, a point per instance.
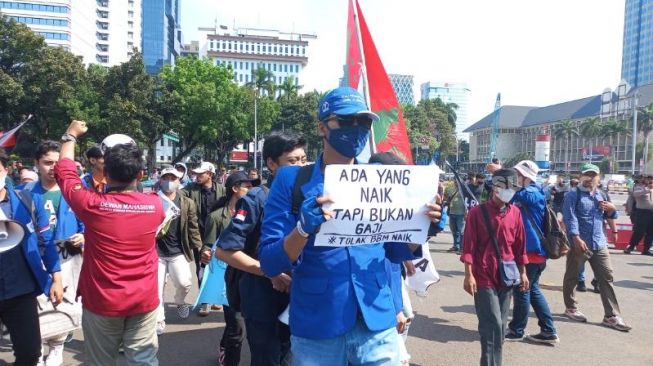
(21, 317)
(269, 343)
(232, 337)
(642, 228)
(197, 256)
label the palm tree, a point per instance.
(566, 129)
(590, 129)
(612, 129)
(449, 108)
(645, 126)
(262, 81)
(289, 88)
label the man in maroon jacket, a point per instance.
(482, 280)
(118, 282)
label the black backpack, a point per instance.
(554, 240)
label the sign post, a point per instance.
(377, 203)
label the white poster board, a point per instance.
(377, 203)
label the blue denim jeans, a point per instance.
(536, 299)
(457, 226)
(359, 346)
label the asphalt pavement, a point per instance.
(444, 330)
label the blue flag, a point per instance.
(213, 289)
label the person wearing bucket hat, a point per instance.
(175, 246)
(331, 285)
(482, 279)
(530, 199)
(584, 210)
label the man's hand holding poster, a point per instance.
(377, 203)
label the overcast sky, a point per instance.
(534, 52)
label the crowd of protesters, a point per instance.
(96, 241)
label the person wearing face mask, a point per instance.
(482, 279)
(341, 308)
(584, 210)
(175, 246)
(530, 199)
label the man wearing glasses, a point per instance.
(341, 308)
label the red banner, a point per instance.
(238, 156)
(390, 133)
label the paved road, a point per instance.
(444, 330)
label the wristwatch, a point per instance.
(68, 137)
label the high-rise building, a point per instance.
(101, 31)
(190, 49)
(161, 33)
(403, 86)
(450, 93)
(637, 56)
(246, 49)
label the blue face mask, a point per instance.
(349, 141)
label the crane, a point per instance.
(494, 128)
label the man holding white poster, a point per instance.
(341, 308)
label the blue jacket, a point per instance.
(532, 203)
(67, 223)
(331, 286)
(30, 244)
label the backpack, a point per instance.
(303, 177)
(554, 240)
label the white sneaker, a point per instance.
(160, 327)
(183, 311)
(616, 322)
(205, 309)
(55, 357)
(575, 314)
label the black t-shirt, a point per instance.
(209, 197)
(170, 244)
(559, 194)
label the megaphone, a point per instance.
(11, 233)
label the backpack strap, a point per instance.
(303, 177)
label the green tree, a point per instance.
(591, 129)
(566, 130)
(263, 81)
(289, 89)
(300, 116)
(613, 129)
(428, 125)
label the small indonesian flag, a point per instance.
(241, 215)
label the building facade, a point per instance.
(246, 49)
(637, 56)
(103, 32)
(403, 86)
(450, 93)
(519, 127)
(161, 39)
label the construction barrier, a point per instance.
(625, 232)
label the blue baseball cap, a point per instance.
(344, 101)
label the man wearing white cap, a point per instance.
(175, 245)
(204, 192)
(530, 199)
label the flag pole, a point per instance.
(366, 90)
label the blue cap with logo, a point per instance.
(344, 101)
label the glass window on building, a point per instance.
(285, 50)
(130, 35)
(240, 78)
(229, 46)
(246, 65)
(269, 67)
(130, 15)
(130, 24)
(162, 144)
(247, 78)
(247, 47)
(285, 68)
(240, 47)
(274, 67)
(258, 47)
(241, 65)
(169, 145)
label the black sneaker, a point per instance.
(452, 249)
(627, 251)
(581, 286)
(543, 338)
(647, 253)
(512, 336)
(595, 284)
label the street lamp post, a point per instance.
(635, 102)
(255, 127)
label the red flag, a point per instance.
(390, 133)
(8, 139)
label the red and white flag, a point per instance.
(8, 138)
(365, 72)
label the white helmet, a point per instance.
(116, 139)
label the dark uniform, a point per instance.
(260, 304)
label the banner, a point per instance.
(377, 203)
(463, 190)
(365, 70)
(598, 152)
